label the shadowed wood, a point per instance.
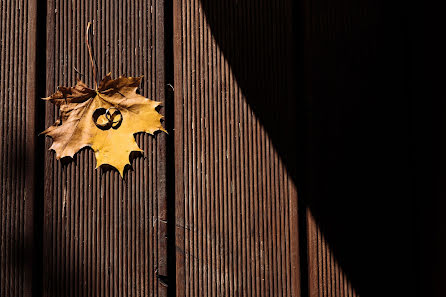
(236, 204)
(325, 274)
(17, 145)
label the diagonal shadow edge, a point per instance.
(322, 120)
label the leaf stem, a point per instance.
(91, 56)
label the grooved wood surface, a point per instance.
(236, 205)
(325, 272)
(17, 102)
(355, 140)
(104, 235)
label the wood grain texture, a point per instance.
(236, 205)
(325, 274)
(103, 235)
(17, 147)
(345, 52)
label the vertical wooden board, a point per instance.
(105, 235)
(357, 144)
(236, 202)
(327, 26)
(17, 147)
(325, 274)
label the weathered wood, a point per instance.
(30, 148)
(236, 203)
(325, 274)
(17, 145)
(235, 198)
(180, 280)
(356, 172)
(103, 235)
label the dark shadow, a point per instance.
(38, 210)
(335, 106)
(255, 40)
(429, 141)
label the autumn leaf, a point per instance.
(105, 119)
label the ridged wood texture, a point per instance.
(236, 205)
(338, 36)
(326, 277)
(105, 235)
(17, 103)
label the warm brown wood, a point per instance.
(312, 241)
(161, 152)
(346, 47)
(30, 155)
(236, 203)
(180, 231)
(17, 145)
(103, 235)
(325, 274)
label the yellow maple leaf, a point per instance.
(104, 119)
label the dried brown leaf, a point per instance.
(83, 120)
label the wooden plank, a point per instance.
(178, 50)
(354, 72)
(106, 236)
(162, 151)
(17, 145)
(30, 157)
(325, 274)
(236, 202)
(313, 279)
